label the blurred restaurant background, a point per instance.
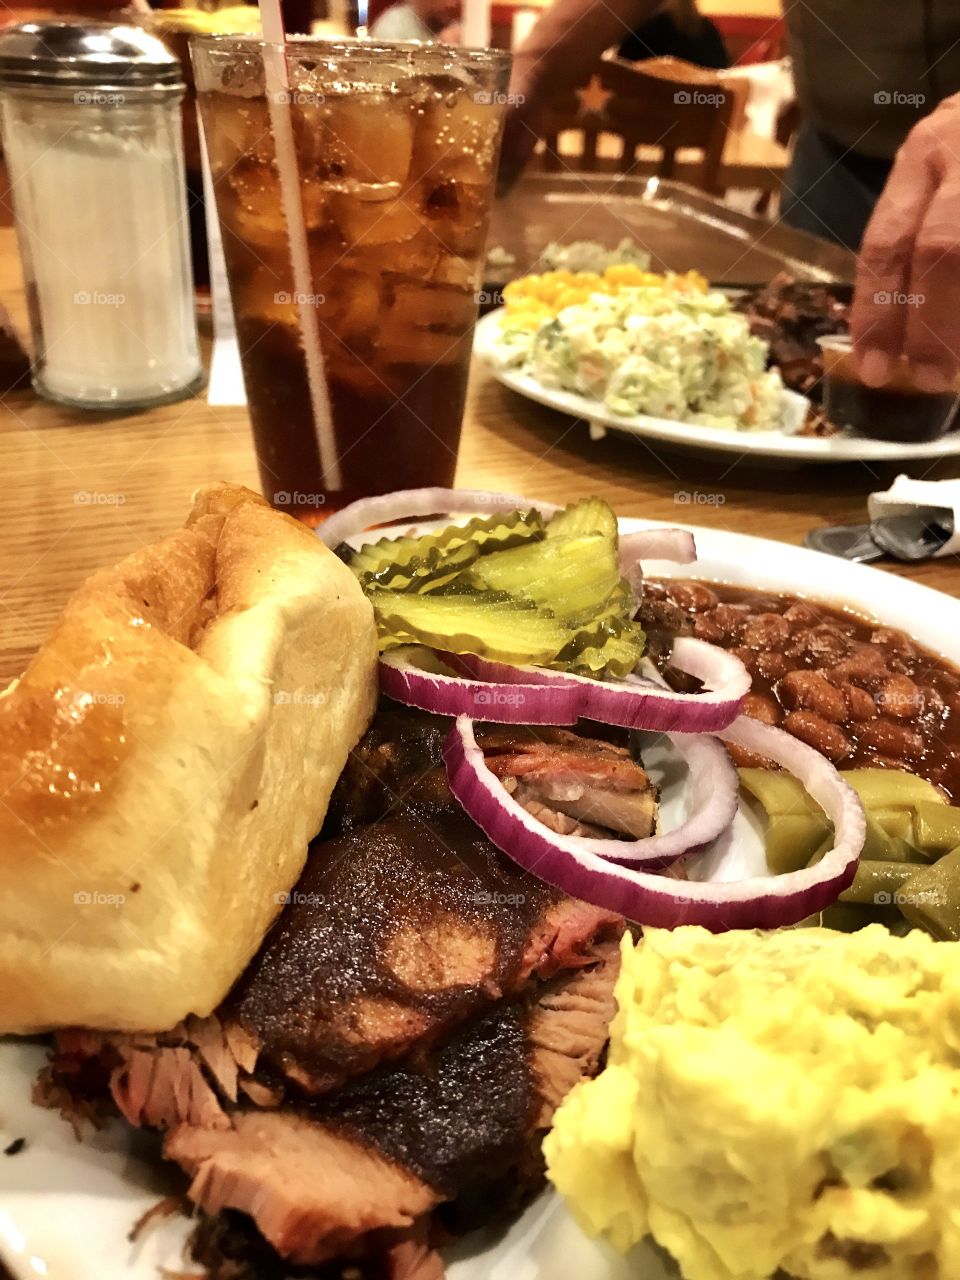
(719, 157)
(743, 157)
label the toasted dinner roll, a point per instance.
(164, 761)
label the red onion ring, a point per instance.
(714, 784)
(757, 902)
(632, 705)
(413, 504)
(653, 544)
(513, 703)
(657, 544)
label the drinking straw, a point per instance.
(278, 104)
(476, 23)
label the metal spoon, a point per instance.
(913, 535)
(849, 541)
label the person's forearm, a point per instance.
(561, 50)
(560, 54)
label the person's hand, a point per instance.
(907, 297)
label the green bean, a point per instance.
(849, 917)
(792, 838)
(876, 883)
(779, 792)
(937, 827)
(930, 899)
(881, 847)
(891, 788)
(897, 823)
(908, 819)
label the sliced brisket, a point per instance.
(397, 932)
(394, 1052)
(393, 1145)
(313, 1192)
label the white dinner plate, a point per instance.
(66, 1207)
(752, 444)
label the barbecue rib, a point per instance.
(396, 1049)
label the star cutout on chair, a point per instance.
(593, 97)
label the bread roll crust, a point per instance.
(165, 760)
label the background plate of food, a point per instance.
(286, 659)
(665, 357)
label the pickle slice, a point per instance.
(435, 569)
(574, 577)
(616, 657)
(488, 624)
(610, 644)
(510, 588)
(402, 563)
(589, 515)
(609, 647)
(506, 629)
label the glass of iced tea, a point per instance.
(395, 151)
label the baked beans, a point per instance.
(862, 694)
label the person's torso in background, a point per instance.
(867, 72)
(699, 43)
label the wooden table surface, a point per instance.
(79, 491)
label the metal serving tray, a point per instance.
(682, 228)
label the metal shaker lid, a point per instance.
(67, 55)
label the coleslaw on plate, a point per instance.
(641, 343)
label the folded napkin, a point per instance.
(906, 494)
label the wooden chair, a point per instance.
(661, 103)
(788, 122)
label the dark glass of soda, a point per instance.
(395, 151)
